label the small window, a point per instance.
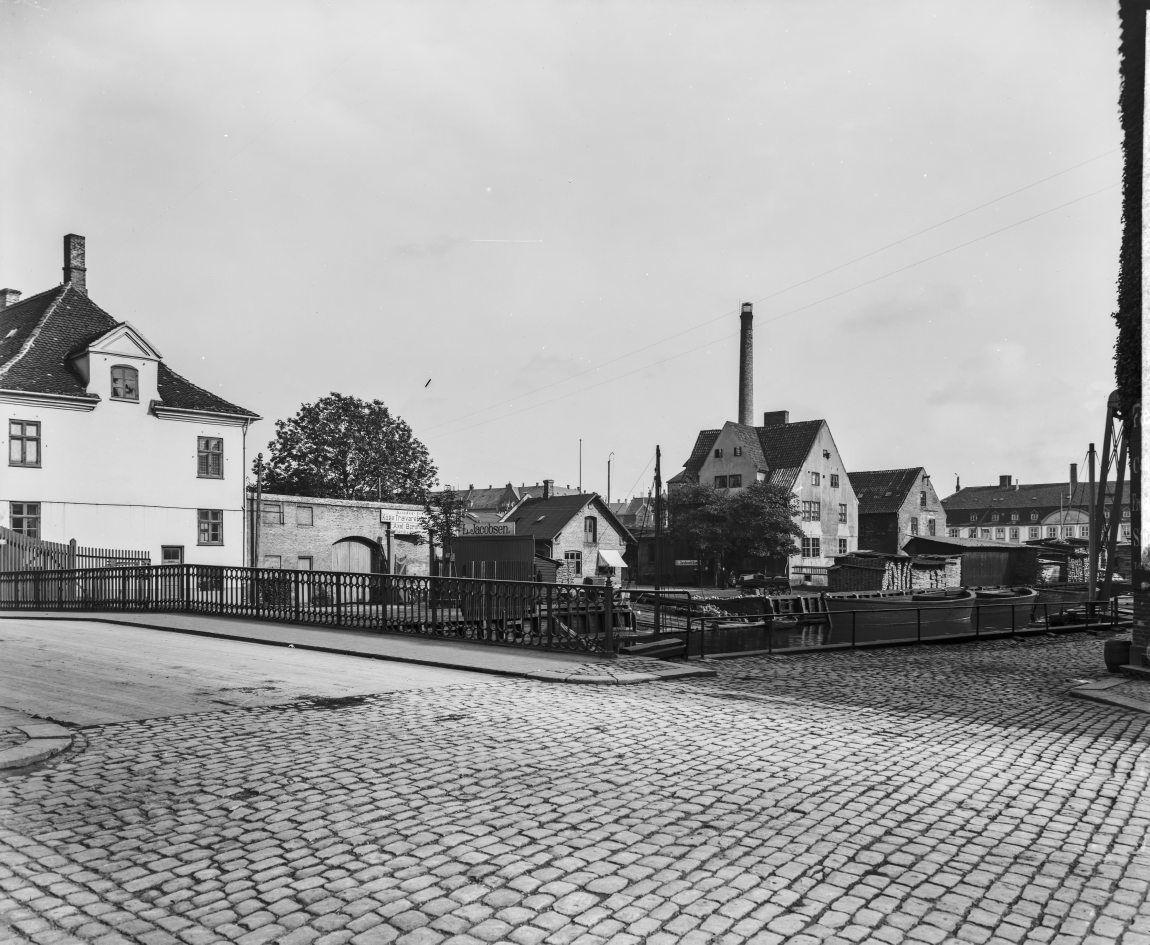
(931, 526)
(272, 513)
(1035, 533)
(209, 457)
(972, 533)
(842, 546)
(1014, 534)
(1034, 516)
(735, 482)
(718, 454)
(1014, 516)
(1000, 534)
(271, 561)
(842, 513)
(1125, 514)
(812, 511)
(304, 515)
(1124, 532)
(952, 532)
(1051, 531)
(984, 533)
(974, 516)
(994, 516)
(1067, 531)
(574, 561)
(834, 480)
(815, 479)
(23, 443)
(812, 548)
(210, 523)
(590, 528)
(914, 526)
(737, 451)
(304, 563)
(922, 499)
(760, 476)
(171, 554)
(720, 482)
(125, 383)
(1083, 531)
(25, 517)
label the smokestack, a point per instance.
(746, 365)
(548, 485)
(1073, 476)
(8, 297)
(75, 271)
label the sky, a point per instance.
(553, 210)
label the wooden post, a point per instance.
(609, 619)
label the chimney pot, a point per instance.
(548, 485)
(773, 418)
(1073, 477)
(75, 272)
(746, 365)
(8, 297)
(1003, 482)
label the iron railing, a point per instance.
(518, 613)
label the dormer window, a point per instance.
(125, 383)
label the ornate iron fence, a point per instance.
(518, 613)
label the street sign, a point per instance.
(407, 521)
(686, 562)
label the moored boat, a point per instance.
(1003, 608)
(900, 616)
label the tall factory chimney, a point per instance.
(746, 366)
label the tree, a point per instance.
(756, 523)
(347, 448)
(443, 516)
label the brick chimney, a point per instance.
(548, 485)
(746, 365)
(75, 271)
(8, 297)
(1073, 477)
(774, 418)
(1003, 482)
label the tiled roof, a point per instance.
(1041, 495)
(883, 490)
(545, 518)
(783, 447)
(920, 541)
(38, 334)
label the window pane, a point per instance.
(32, 452)
(15, 451)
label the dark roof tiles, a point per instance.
(883, 490)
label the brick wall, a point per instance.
(572, 539)
(332, 520)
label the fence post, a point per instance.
(977, 620)
(339, 600)
(609, 619)
(72, 554)
(918, 624)
(295, 595)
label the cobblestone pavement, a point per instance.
(934, 794)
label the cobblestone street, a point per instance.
(933, 794)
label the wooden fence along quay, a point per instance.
(518, 613)
(20, 553)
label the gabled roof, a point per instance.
(39, 335)
(883, 490)
(1040, 495)
(786, 447)
(543, 519)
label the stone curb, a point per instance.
(540, 675)
(1099, 691)
(45, 740)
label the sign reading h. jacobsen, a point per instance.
(488, 528)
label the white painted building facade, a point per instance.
(108, 445)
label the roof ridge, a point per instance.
(35, 333)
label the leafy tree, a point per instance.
(346, 448)
(756, 523)
(443, 516)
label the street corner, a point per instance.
(25, 741)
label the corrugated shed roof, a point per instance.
(883, 490)
(38, 334)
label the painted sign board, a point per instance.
(488, 528)
(404, 521)
(686, 562)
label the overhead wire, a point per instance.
(783, 290)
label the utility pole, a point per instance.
(1092, 535)
(580, 465)
(610, 456)
(658, 531)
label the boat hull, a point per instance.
(898, 618)
(1006, 610)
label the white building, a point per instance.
(106, 443)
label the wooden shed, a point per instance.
(984, 563)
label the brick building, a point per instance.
(309, 534)
(1020, 513)
(579, 531)
(894, 505)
